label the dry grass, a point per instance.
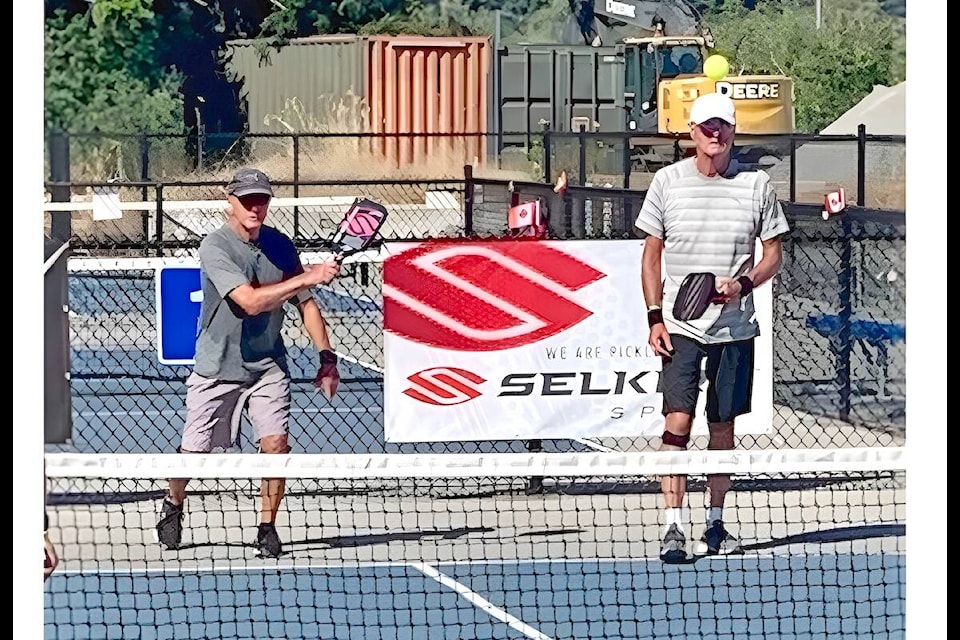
(400, 158)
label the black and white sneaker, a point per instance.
(717, 540)
(170, 525)
(673, 549)
(268, 541)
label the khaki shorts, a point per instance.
(214, 409)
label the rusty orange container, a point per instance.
(424, 85)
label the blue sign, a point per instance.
(178, 313)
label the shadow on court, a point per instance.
(840, 534)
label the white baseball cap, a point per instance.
(713, 105)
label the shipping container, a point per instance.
(560, 88)
(321, 72)
(642, 87)
(429, 85)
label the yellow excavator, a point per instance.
(634, 66)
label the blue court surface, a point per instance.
(829, 562)
(797, 596)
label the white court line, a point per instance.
(369, 564)
(476, 599)
(385, 564)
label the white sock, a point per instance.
(714, 514)
(674, 515)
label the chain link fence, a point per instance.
(838, 318)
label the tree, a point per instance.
(101, 76)
(832, 67)
(101, 73)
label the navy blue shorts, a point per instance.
(729, 376)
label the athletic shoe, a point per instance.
(673, 547)
(170, 525)
(268, 542)
(717, 540)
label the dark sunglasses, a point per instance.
(712, 127)
(254, 199)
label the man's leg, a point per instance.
(211, 412)
(716, 538)
(730, 381)
(177, 489)
(675, 438)
(269, 411)
(272, 489)
(721, 439)
(679, 384)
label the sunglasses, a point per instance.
(713, 127)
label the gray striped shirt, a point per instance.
(710, 224)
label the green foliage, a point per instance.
(833, 67)
(100, 73)
(542, 22)
(449, 18)
(298, 18)
(101, 76)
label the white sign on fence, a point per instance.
(530, 339)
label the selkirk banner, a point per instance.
(530, 339)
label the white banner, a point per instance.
(505, 340)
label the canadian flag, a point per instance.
(834, 202)
(524, 215)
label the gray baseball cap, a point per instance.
(248, 181)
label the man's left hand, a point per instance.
(328, 377)
(727, 288)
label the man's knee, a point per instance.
(675, 440)
(274, 444)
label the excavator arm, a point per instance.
(607, 21)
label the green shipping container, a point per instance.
(325, 74)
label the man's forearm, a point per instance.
(315, 325)
(768, 266)
(650, 276)
(268, 297)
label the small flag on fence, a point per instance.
(834, 202)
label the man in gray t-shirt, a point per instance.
(704, 215)
(249, 271)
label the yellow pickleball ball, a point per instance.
(716, 67)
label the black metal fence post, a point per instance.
(159, 214)
(468, 187)
(845, 316)
(547, 161)
(60, 225)
(144, 146)
(57, 400)
(296, 184)
(861, 164)
(582, 159)
(793, 169)
(627, 161)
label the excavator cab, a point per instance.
(650, 61)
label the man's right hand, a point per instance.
(322, 273)
(660, 340)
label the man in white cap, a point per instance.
(704, 214)
(249, 272)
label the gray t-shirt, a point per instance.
(710, 224)
(230, 344)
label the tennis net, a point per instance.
(538, 545)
